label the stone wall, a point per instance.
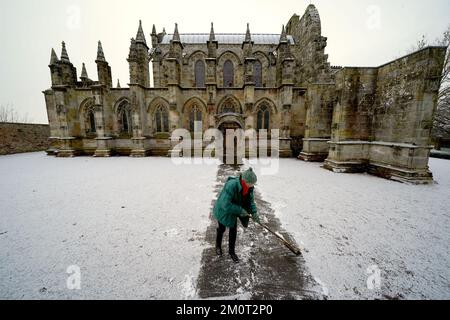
(383, 119)
(406, 97)
(18, 138)
(352, 115)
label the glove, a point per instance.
(256, 218)
(244, 214)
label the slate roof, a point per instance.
(226, 38)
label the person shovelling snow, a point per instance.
(235, 201)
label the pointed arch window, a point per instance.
(124, 118)
(263, 121)
(91, 126)
(200, 74)
(257, 74)
(228, 74)
(162, 120)
(87, 118)
(195, 115)
(126, 122)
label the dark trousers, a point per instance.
(232, 241)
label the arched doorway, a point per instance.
(233, 153)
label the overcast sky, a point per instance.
(360, 33)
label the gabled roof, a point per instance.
(227, 38)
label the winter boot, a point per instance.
(219, 251)
(234, 257)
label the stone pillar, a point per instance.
(138, 140)
(53, 122)
(249, 99)
(211, 89)
(285, 133)
(319, 114)
(285, 119)
(211, 72)
(166, 147)
(69, 145)
(174, 108)
(103, 142)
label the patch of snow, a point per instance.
(242, 296)
(350, 222)
(134, 227)
(188, 287)
(325, 290)
(171, 233)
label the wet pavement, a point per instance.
(267, 271)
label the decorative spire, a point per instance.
(247, 45)
(118, 83)
(133, 50)
(283, 37)
(154, 36)
(140, 37)
(212, 35)
(176, 35)
(164, 31)
(100, 54)
(64, 55)
(54, 58)
(248, 37)
(84, 74)
(212, 43)
(284, 50)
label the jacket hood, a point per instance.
(238, 179)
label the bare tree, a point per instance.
(422, 43)
(441, 124)
(9, 114)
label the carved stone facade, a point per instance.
(354, 119)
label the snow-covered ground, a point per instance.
(134, 227)
(352, 222)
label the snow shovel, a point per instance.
(288, 245)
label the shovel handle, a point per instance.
(290, 246)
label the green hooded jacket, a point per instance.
(230, 203)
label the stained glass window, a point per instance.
(158, 121)
(257, 74)
(162, 120)
(124, 117)
(125, 123)
(195, 115)
(228, 74)
(199, 74)
(92, 127)
(266, 119)
(263, 119)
